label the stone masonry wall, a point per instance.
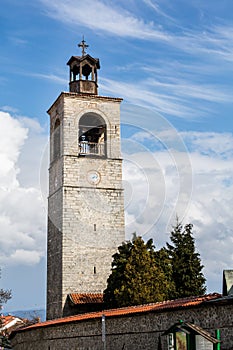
(90, 217)
(129, 332)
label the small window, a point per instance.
(170, 341)
(56, 140)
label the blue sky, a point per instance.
(171, 61)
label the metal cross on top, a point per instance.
(83, 45)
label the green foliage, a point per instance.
(5, 295)
(4, 342)
(165, 264)
(115, 280)
(185, 262)
(142, 275)
(136, 277)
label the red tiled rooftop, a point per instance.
(4, 320)
(86, 298)
(154, 307)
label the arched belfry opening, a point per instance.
(83, 72)
(92, 135)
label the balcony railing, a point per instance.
(91, 148)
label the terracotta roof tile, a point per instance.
(9, 323)
(154, 307)
(86, 298)
(4, 320)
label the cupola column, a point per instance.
(81, 72)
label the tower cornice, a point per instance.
(85, 96)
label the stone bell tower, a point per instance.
(85, 203)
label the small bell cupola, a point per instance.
(83, 72)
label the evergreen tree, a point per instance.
(136, 277)
(186, 263)
(164, 262)
(5, 295)
(115, 279)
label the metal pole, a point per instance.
(217, 333)
(103, 332)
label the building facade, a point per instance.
(86, 202)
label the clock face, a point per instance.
(93, 177)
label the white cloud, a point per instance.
(155, 6)
(210, 143)
(188, 82)
(159, 189)
(155, 197)
(160, 182)
(22, 256)
(22, 215)
(175, 98)
(12, 137)
(51, 77)
(96, 14)
(139, 93)
(185, 89)
(9, 109)
(213, 42)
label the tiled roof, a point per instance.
(10, 322)
(4, 320)
(82, 58)
(86, 298)
(154, 307)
